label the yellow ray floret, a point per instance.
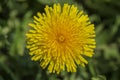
(60, 37)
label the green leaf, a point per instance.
(1, 78)
(55, 1)
(99, 77)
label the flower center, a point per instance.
(61, 39)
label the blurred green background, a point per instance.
(15, 62)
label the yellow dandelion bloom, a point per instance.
(60, 37)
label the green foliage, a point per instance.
(15, 63)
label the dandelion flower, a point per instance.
(60, 37)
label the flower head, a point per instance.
(60, 37)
